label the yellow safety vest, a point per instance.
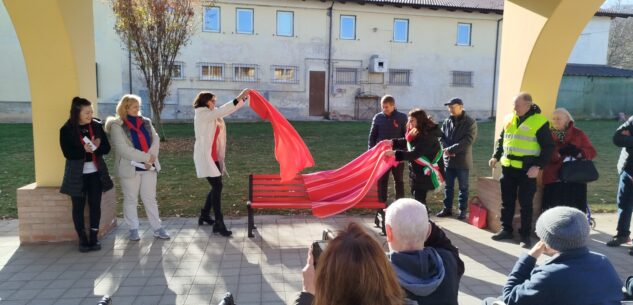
(520, 141)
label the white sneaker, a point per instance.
(161, 234)
(134, 235)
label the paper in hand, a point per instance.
(142, 165)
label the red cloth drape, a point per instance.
(291, 152)
(335, 191)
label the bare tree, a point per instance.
(155, 31)
(621, 39)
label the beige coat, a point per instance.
(125, 150)
(205, 121)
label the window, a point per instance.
(285, 23)
(399, 77)
(244, 73)
(346, 76)
(177, 70)
(401, 30)
(244, 21)
(285, 74)
(348, 27)
(210, 71)
(211, 22)
(463, 34)
(462, 79)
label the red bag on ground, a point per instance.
(478, 214)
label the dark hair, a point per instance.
(75, 109)
(202, 99)
(424, 122)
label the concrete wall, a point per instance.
(431, 54)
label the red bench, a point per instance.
(267, 192)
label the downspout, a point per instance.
(329, 60)
(129, 64)
(494, 73)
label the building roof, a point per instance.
(596, 70)
(481, 6)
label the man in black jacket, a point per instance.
(386, 125)
(622, 138)
(426, 262)
(458, 135)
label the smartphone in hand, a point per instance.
(317, 248)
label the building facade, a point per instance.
(312, 59)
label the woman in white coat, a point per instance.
(209, 152)
(136, 144)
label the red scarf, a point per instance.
(139, 133)
(92, 138)
(214, 147)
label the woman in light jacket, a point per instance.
(209, 152)
(136, 144)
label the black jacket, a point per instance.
(426, 145)
(72, 148)
(625, 163)
(385, 127)
(543, 137)
(458, 136)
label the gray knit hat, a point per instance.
(563, 228)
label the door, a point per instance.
(317, 93)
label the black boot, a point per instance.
(95, 245)
(84, 245)
(220, 228)
(204, 217)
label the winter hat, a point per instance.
(563, 228)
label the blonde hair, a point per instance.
(565, 112)
(124, 105)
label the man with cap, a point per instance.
(573, 275)
(458, 135)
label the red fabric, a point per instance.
(335, 191)
(139, 133)
(291, 152)
(214, 147)
(575, 137)
(408, 136)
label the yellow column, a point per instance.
(537, 38)
(57, 41)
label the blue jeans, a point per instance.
(462, 178)
(625, 204)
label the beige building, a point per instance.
(313, 58)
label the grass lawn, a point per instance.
(250, 150)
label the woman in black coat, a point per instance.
(86, 176)
(421, 147)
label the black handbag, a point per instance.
(579, 171)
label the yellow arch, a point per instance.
(57, 41)
(537, 39)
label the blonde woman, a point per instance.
(209, 151)
(136, 144)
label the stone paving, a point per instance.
(197, 267)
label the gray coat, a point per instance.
(458, 136)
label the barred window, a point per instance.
(244, 73)
(177, 70)
(462, 79)
(285, 74)
(211, 71)
(346, 76)
(400, 77)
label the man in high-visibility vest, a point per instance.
(524, 148)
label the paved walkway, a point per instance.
(197, 267)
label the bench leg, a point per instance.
(251, 220)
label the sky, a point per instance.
(610, 3)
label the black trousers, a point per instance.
(214, 197)
(419, 195)
(383, 183)
(92, 192)
(516, 184)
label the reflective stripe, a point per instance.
(522, 151)
(519, 137)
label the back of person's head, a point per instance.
(124, 103)
(354, 270)
(388, 99)
(75, 108)
(563, 228)
(202, 99)
(408, 221)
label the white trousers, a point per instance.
(145, 184)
